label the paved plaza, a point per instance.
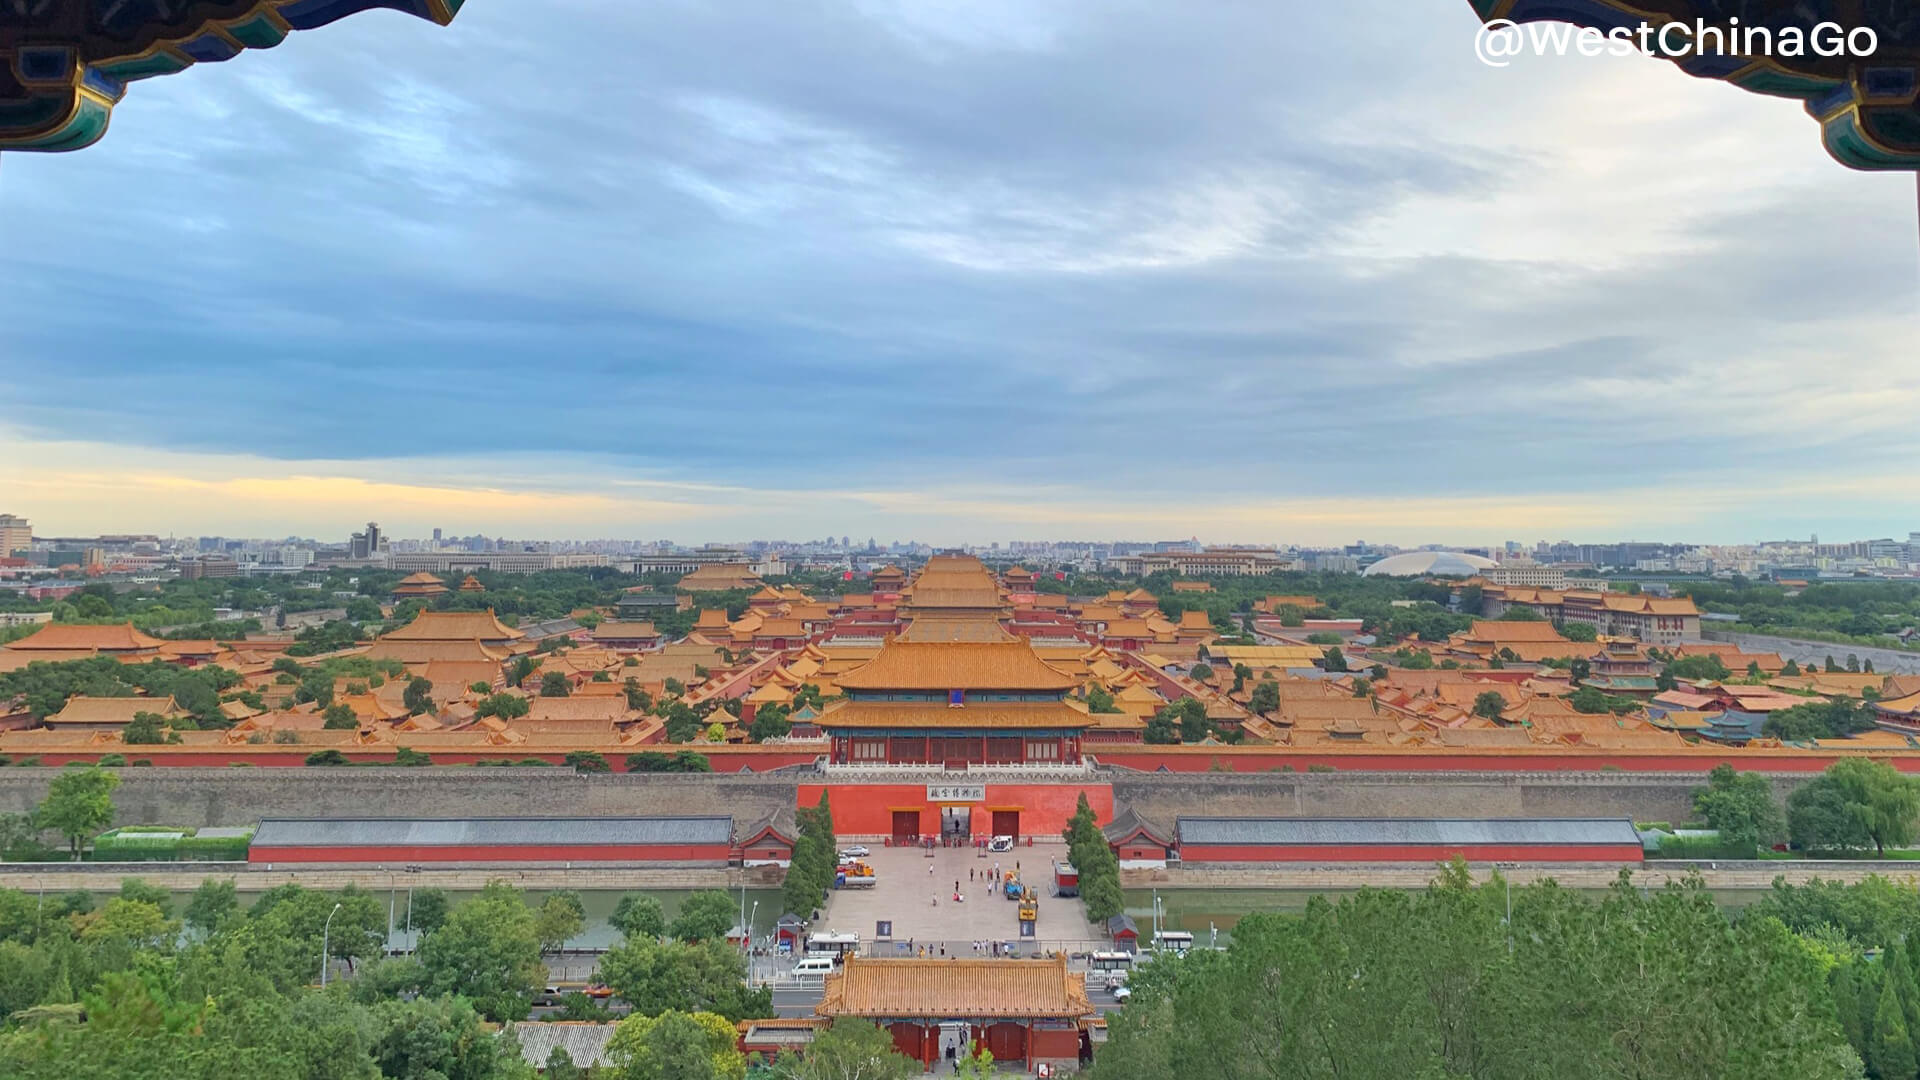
(906, 891)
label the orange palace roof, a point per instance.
(116, 637)
(453, 626)
(957, 665)
(959, 986)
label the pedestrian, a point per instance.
(956, 884)
(943, 950)
(929, 869)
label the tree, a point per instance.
(1890, 1053)
(770, 721)
(489, 952)
(418, 697)
(145, 729)
(503, 705)
(676, 1045)
(316, 686)
(79, 803)
(1489, 705)
(427, 910)
(339, 718)
(1588, 700)
(1580, 631)
(1740, 807)
(522, 670)
(213, 904)
(1201, 672)
(683, 724)
(560, 916)
(327, 757)
(1100, 700)
(638, 915)
(1695, 668)
(554, 684)
(655, 976)
(1265, 698)
(588, 761)
(1854, 803)
(1818, 720)
(1161, 729)
(431, 1038)
(852, 1049)
(1334, 659)
(1790, 668)
(704, 916)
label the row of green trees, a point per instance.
(1443, 984)
(1099, 867)
(128, 990)
(816, 857)
(1856, 805)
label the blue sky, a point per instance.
(955, 271)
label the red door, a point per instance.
(906, 1039)
(1007, 1041)
(906, 826)
(1006, 823)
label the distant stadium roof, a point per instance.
(1422, 563)
(1405, 831)
(427, 832)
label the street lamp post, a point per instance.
(325, 929)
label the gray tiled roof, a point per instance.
(585, 1043)
(327, 832)
(1209, 830)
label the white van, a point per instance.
(811, 967)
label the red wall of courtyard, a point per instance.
(867, 809)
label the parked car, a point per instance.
(858, 851)
(1122, 993)
(1000, 843)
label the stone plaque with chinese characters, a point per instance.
(956, 793)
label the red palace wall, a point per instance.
(867, 809)
(1420, 853)
(1276, 759)
(714, 854)
(723, 761)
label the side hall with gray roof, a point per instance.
(415, 832)
(1407, 839)
(636, 841)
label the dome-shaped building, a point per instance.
(1429, 563)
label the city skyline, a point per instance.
(440, 537)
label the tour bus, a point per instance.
(1173, 941)
(834, 945)
(1111, 961)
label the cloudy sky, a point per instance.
(957, 270)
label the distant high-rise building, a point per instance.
(367, 545)
(436, 536)
(15, 535)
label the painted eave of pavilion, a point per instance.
(1002, 716)
(941, 666)
(65, 64)
(1868, 108)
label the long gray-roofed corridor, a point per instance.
(1355, 831)
(359, 832)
